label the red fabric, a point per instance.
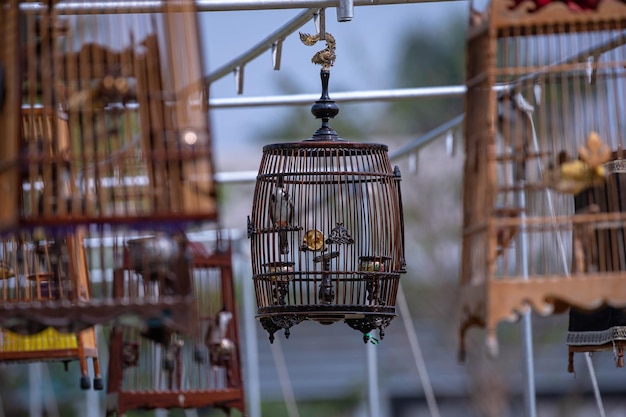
(574, 5)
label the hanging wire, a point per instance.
(403, 307)
(594, 382)
(283, 378)
(566, 270)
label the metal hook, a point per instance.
(239, 79)
(592, 67)
(277, 50)
(320, 23)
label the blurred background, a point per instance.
(327, 371)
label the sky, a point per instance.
(366, 53)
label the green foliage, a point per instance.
(425, 59)
(327, 408)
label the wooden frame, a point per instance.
(226, 389)
(505, 62)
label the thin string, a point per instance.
(417, 353)
(283, 378)
(592, 374)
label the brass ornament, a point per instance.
(572, 176)
(313, 240)
(326, 57)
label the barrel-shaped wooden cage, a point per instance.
(543, 202)
(326, 234)
(106, 150)
(153, 367)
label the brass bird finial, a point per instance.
(572, 176)
(326, 57)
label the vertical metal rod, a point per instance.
(50, 403)
(566, 270)
(92, 405)
(526, 321)
(373, 391)
(243, 264)
(35, 404)
(277, 51)
(322, 24)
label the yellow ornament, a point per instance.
(313, 240)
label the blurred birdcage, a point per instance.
(52, 345)
(544, 129)
(39, 271)
(153, 367)
(326, 231)
(106, 135)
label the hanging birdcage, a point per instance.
(39, 271)
(326, 228)
(541, 199)
(106, 136)
(152, 367)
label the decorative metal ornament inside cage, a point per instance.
(326, 229)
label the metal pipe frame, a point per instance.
(263, 46)
(243, 177)
(344, 97)
(155, 6)
(427, 138)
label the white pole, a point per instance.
(252, 387)
(35, 405)
(594, 382)
(372, 381)
(526, 321)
